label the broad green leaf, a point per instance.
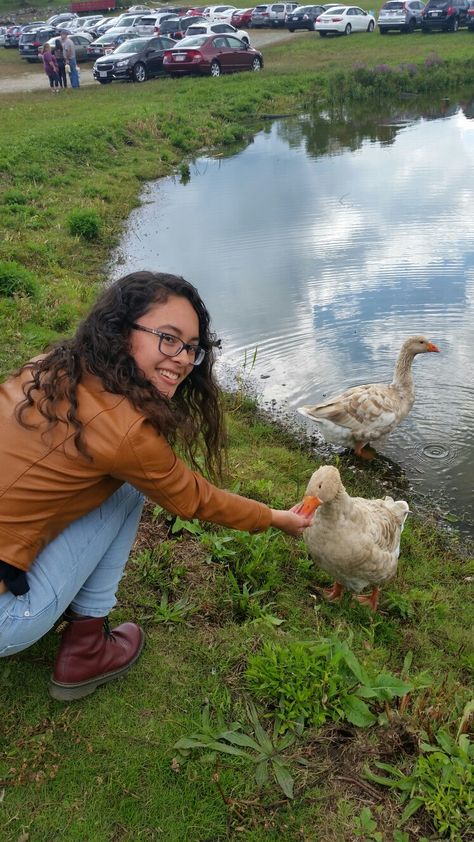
(265, 743)
(191, 742)
(413, 805)
(287, 741)
(226, 749)
(240, 739)
(390, 686)
(357, 712)
(261, 772)
(355, 666)
(283, 777)
(383, 780)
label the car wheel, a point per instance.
(215, 69)
(382, 30)
(104, 81)
(246, 40)
(425, 30)
(323, 34)
(139, 72)
(411, 26)
(348, 29)
(256, 64)
(312, 26)
(455, 25)
(371, 26)
(290, 30)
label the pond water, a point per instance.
(322, 246)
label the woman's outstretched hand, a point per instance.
(290, 521)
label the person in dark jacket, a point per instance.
(61, 62)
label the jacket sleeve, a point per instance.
(146, 461)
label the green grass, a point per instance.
(104, 769)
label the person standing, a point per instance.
(50, 67)
(61, 62)
(69, 53)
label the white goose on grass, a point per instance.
(355, 540)
(364, 414)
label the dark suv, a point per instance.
(30, 41)
(445, 14)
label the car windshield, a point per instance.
(336, 10)
(193, 41)
(392, 7)
(133, 46)
(302, 10)
(197, 30)
(437, 4)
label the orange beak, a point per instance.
(432, 347)
(309, 506)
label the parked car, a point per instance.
(241, 17)
(278, 13)
(219, 13)
(304, 17)
(400, 15)
(88, 22)
(108, 43)
(59, 20)
(135, 60)
(217, 29)
(12, 37)
(176, 28)
(470, 16)
(342, 20)
(445, 14)
(31, 41)
(211, 55)
(260, 15)
(3, 29)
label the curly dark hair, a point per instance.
(193, 418)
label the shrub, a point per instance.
(84, 223)
(311, 683)
(16, 280)
(14, 197)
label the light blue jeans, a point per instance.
(73, 74)
(81, 568)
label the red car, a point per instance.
(241, 17)
(211, 55)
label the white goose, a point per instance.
(357, 541)
(366, 413)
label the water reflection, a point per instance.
(324, 244)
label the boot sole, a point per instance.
(69, 692)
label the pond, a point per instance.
(322, 246)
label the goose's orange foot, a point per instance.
(371, 600)
(364, 452)
(333, 594)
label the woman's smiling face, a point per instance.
(176, 317)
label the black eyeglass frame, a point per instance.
(199, 352)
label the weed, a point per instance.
(184, 172)
(232, 740)
(14, 197)
(154, 567)
(170, 613)
(441, 782)
(315, 682)
(365, 826)
(84, 223)
(16, 280)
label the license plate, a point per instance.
(434, 14)
(179, 58)
(102, 73)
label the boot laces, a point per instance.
(107, 630)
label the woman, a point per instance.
(61, 62)
(50, 67)
(85, 432)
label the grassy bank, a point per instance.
(231, 620)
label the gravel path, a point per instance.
(36, 79)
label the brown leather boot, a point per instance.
(91, 654)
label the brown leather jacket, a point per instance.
(45, 483)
